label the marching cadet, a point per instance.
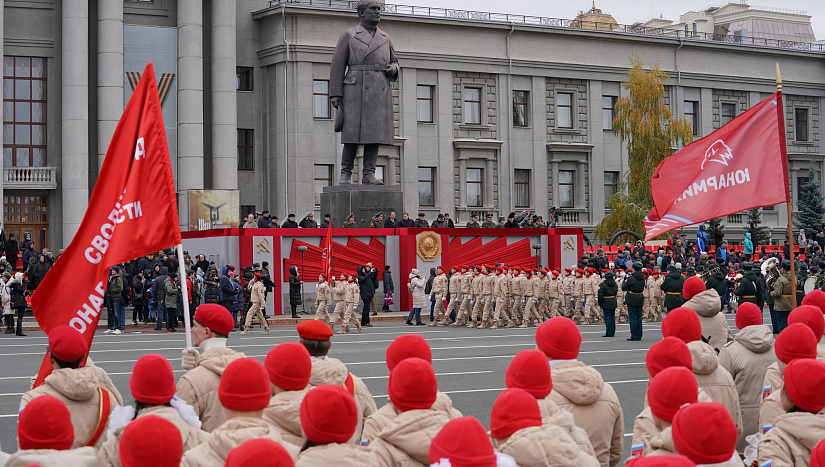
(198, 386)
(658, 295)
(258, 299)
(518, 293)
(782, 294)
(439, 293)
(500, 295)
(672, 287)
(315, 336)
(351, 297)
(567, 292)
(747, 358)
(244, 393)
(607, 301)
(455, 296)
(322, 299)
(466, 291)
(339, 294)
(647, 294)
(552, 294)
(488, 297)
(621, 309)
(532, 285)
(705, 433)
(577, 294)
(289, 367)
(795, 434)
(77, 387)
(794, 342)
(590, 289)
(705, 302)
(477, 284)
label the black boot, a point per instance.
(20, 326)
(347, 161)
(370, 159)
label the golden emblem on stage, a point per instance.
(263, 246)
(429, 246)
(568, 244)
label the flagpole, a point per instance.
(182, 273)
(784, 149)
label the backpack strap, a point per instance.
(105, 408)
(349, 384)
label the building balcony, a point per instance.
(29, 178)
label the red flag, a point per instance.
(326, 255)
(740, 166)
(132, 212)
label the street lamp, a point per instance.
(537, 247)
(302, 249)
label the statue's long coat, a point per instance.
(367, 94)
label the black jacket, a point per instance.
(406, 223)
(365, 283)
(288, 224)
(420, 224)
(18, 295)
(294, 286)
(307, 223)
(607, 294)
(634, 286)
(717, 283)
(211, 289)
(12, 252)
(391, 223)
(389, 286)
(672, 287)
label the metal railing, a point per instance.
(30, 177)
(541, 21)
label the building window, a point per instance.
(426, 186)
(728, 112)
(243, 77)
(380, 170)
(323, 177)
(611, 185)
(472, 106)
(801, 124)
(692, 117)
(320, 99)
(566, 188)
(24, 111)
(608, 112)
(564, 110)
(424, 96)
(521, 188)
(475, 187)
(521, 109)
(246, 150)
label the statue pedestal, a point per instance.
(363, 201)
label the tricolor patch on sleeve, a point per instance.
(766, 464)
(766, 391)
(766, 428)
(637, 450)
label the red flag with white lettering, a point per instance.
(740, 166)
(132, 212)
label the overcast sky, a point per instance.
(625, 11)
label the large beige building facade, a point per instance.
(493, 113)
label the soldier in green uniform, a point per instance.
(634, 285)
(488, 223)
(473, 224)
(672, 287)
(783, 296)
(607, 301)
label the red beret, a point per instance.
(705, 433)
(412, 384)
(795, 341)
(559, 338)
(530, 370)
(810, 316)
(164, 448)
(667, 353)
(328, 414)
(67, 344)
(259, 452)
(660, 461)
(748, 314)
(815, 298)
(682, 323)
(315, 330)
(670, 390)
(804, 379)
(258, 275)
(152, 381)
(406, 346)
(244, 386)
(818, 454)
(289, 366)
(215, 317)
(515, 409)
(692, 286)
(45, 423)
(474, 450)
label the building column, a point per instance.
(224, 99)
(75, 115)
(2, 172)
(109, 73)
(190, 103)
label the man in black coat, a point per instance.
(672, 287)
(392, 221)
(389, 285)
(290, 223)
(634, 285)
(365, 283)
(406, 222)
(12, 251)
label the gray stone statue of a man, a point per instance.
(363, 66)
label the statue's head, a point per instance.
(369, 11)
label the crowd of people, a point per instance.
(514, 220)
(754, 401)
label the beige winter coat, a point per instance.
(747, 359)
(230, 435)
(715, 327)
(771, 409)
(545, 446)
(551, 414)
(198, 387)
(644, 427)
(284, 413)
(407, 438)
(338, 455)
(791, 440)
(333, 371)
(715, 380)
(80, 457)
(773, 378)
(581, 390)
(662, 444)
(108, 455)
(383, 417)
(78, 389)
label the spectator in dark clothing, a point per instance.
(29, 252)
(326, 222)
(12, 251)
(159, 292)
(406, 222)
(146, 262)
(27, 240)
(202, 264)
(511, 222)
(374, 276)
(38, 271)
(365, 283)
(718, 236)
(439, 222)
(265, 221)
(421, 222)
(227, 292)
(391, 222)
(295, 297)
(448, 221)
(308, 222)
(211, 287)
(389, 286)
(428, 288)
(139, 311)
(17, 292)
(290, 223)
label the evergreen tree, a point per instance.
(809, 206)
(755, 217)
(645, 124)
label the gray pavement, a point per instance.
(469, 363)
